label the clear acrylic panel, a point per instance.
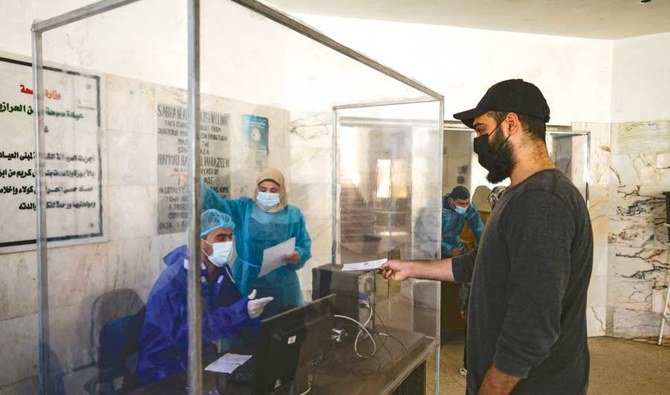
(269, 97)
(570, 153)
(388, 205)
(113, 210)
(286, 96)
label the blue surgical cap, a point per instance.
(214, 219)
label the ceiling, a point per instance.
(605, 19)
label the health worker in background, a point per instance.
(263, 222)
(456, 211)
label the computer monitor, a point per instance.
(289, 344)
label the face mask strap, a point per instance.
(496, 129)
(498, 125)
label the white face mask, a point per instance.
(268, 199)
(220, 253)
(461, 210)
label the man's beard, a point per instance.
(504, 162)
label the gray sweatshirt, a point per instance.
(527, 308)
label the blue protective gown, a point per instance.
(163, 344)
(255, 230)
(452, 225)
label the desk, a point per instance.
(336, 374)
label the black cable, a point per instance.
(379, 317)
(387, 332)
(383, 343)
(398, 340)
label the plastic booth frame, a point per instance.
(194, 149)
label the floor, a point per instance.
(618, 366)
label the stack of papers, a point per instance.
(369, 265)
(227, 363)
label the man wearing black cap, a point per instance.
(527, 310)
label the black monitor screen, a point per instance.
(289, 343)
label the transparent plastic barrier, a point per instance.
(268, 99)
(388, 206)
(113, 213)
(570, 153)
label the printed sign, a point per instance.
(173, 208)
(72, 155)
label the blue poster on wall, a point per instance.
(255, 130)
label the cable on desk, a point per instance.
(394, 338)
(363, 329)
(383, 342)
(367, 305)
(388, 334)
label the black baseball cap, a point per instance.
(516, 96)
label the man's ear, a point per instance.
(514, 123)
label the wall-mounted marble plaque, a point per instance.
(72, 155)
(172, 136)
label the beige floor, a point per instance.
(617, 367)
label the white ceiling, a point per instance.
(607, 19)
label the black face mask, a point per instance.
(498, 161)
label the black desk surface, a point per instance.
(341, 371)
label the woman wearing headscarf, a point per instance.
(262, 222)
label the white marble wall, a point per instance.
(629, 172)
(639, 261)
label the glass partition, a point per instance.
(388, 202)
(310, 157)
(570, 152)
(115, 213)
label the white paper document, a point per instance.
(227, 363)
(369, 265)
(273, 257)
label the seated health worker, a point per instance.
(163, 344)
(262, 222)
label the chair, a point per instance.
(117, 318)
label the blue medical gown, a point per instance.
(255, 230)
(163, 344)
(452, 225)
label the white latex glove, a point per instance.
(255, 306)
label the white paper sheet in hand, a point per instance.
(273, 257)
(369, 265)
(227, 363)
